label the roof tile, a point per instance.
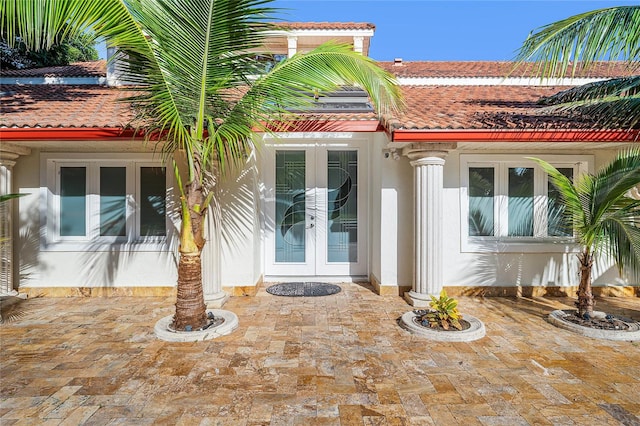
(325, 26)
(63, 106)
(480, 107)
(481, 69)
(77, 69)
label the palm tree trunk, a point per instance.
(585, 296)
(190, 307)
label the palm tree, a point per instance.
(604, 218)
(578, 43)
(202, 91)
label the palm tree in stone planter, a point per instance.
(604, 217)
(203, 92)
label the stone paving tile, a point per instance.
(336, 360)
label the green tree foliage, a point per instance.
(76, 49)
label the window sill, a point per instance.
(104, 246)
(519, 245)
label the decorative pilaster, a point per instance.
(358, 44)
(8, 154)
(214, 297)
(427, 193)
(292, 45)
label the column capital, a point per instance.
(10, 152)
(428, 153)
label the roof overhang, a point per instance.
(556, 135)
(61, 133)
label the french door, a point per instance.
(316, 211)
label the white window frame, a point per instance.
(51, 240)
(540, 242)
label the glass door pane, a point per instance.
(290, 206)
(342, 206)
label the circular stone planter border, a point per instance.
(557, 318)
(227, 327)
(475, 332)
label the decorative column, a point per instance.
(427, 194)
(358, 44)
(292, 45)
(8, 154)
(214, 297)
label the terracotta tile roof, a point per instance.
(325, 25)
(63, 106)
(496, 69)
(78, 69)
(479, 107)
(428, 107)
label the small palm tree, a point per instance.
(583, 40)
(203, 90)
(605, 219)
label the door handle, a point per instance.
(311, 225)
(312, 217)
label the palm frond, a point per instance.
(614, 181)
(617, 87)
(621, 231)
(569, 194)
(615, 103)
(294, 81)
(610, 33)
(40, 23)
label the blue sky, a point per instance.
(442, 30)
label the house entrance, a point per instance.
(316, 210)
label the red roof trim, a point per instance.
(57, 133)
(108, 133)
(558, 135)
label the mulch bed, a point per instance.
(612, 322)
(465, 324)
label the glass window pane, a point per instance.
(153, 200)
(481, 201)
(558, 224)
(73, 201)
(342, 206)
(113, 201)
(290, 206)
(520, 202)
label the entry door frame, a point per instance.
(316, 264)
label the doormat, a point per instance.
(301, 289)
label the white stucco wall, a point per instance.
(239, 199)
(87, 266)
(391, 215)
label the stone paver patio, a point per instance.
(336, 360)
